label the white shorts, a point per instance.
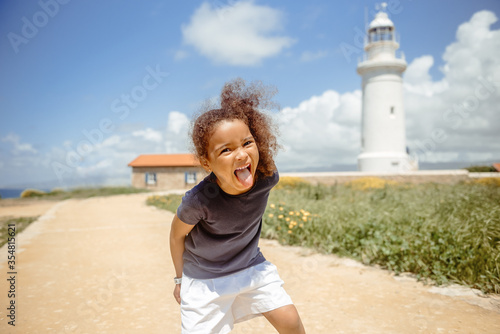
(215, 305)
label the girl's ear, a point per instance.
(205, 164)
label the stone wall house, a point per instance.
(166, 171)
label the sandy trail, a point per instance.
(102, 265)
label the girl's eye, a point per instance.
(224, 150)
(247, 143)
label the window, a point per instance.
(151, 178)
(190, 177)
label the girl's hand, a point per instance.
(177, 293)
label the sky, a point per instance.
(87, 86)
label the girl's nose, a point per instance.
(241, 154)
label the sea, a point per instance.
(10, 193)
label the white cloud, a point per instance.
(18, 147)
(463, 105)
(176, 137)
(240, 33)
(321, 131)
(149, 134)
(418, 80)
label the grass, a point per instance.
(60, 194)
(169, 203)
(20, 224)
(443, 233)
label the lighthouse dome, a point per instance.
(381, 20)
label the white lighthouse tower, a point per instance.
(383, 138)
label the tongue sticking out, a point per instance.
(245, 177)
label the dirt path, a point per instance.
(102, 265)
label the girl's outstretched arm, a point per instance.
(178, 232)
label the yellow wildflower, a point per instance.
(289, 231)
(304, 218)
(287, 219)
(272, 206)
(290, 226)
(280, 216)
(270, 215)
(281, 208)
(301, 225)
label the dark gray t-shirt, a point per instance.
(227, 227)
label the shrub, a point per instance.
(56, 191)
(32, 193)
(481, 169)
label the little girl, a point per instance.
(222, 277)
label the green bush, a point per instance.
(481, 169)
(56, 192)
(32, 193)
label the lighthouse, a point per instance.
(383, 136)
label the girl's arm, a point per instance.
(178, 232)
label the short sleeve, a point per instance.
(275, 178)
(190, 211)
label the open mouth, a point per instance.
(244, 175)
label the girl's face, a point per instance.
(232, 156)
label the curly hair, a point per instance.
(242, 102)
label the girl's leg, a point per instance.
(286, 320)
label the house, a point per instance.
(166, 171)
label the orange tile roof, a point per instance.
(164, 160)
(497, 167)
